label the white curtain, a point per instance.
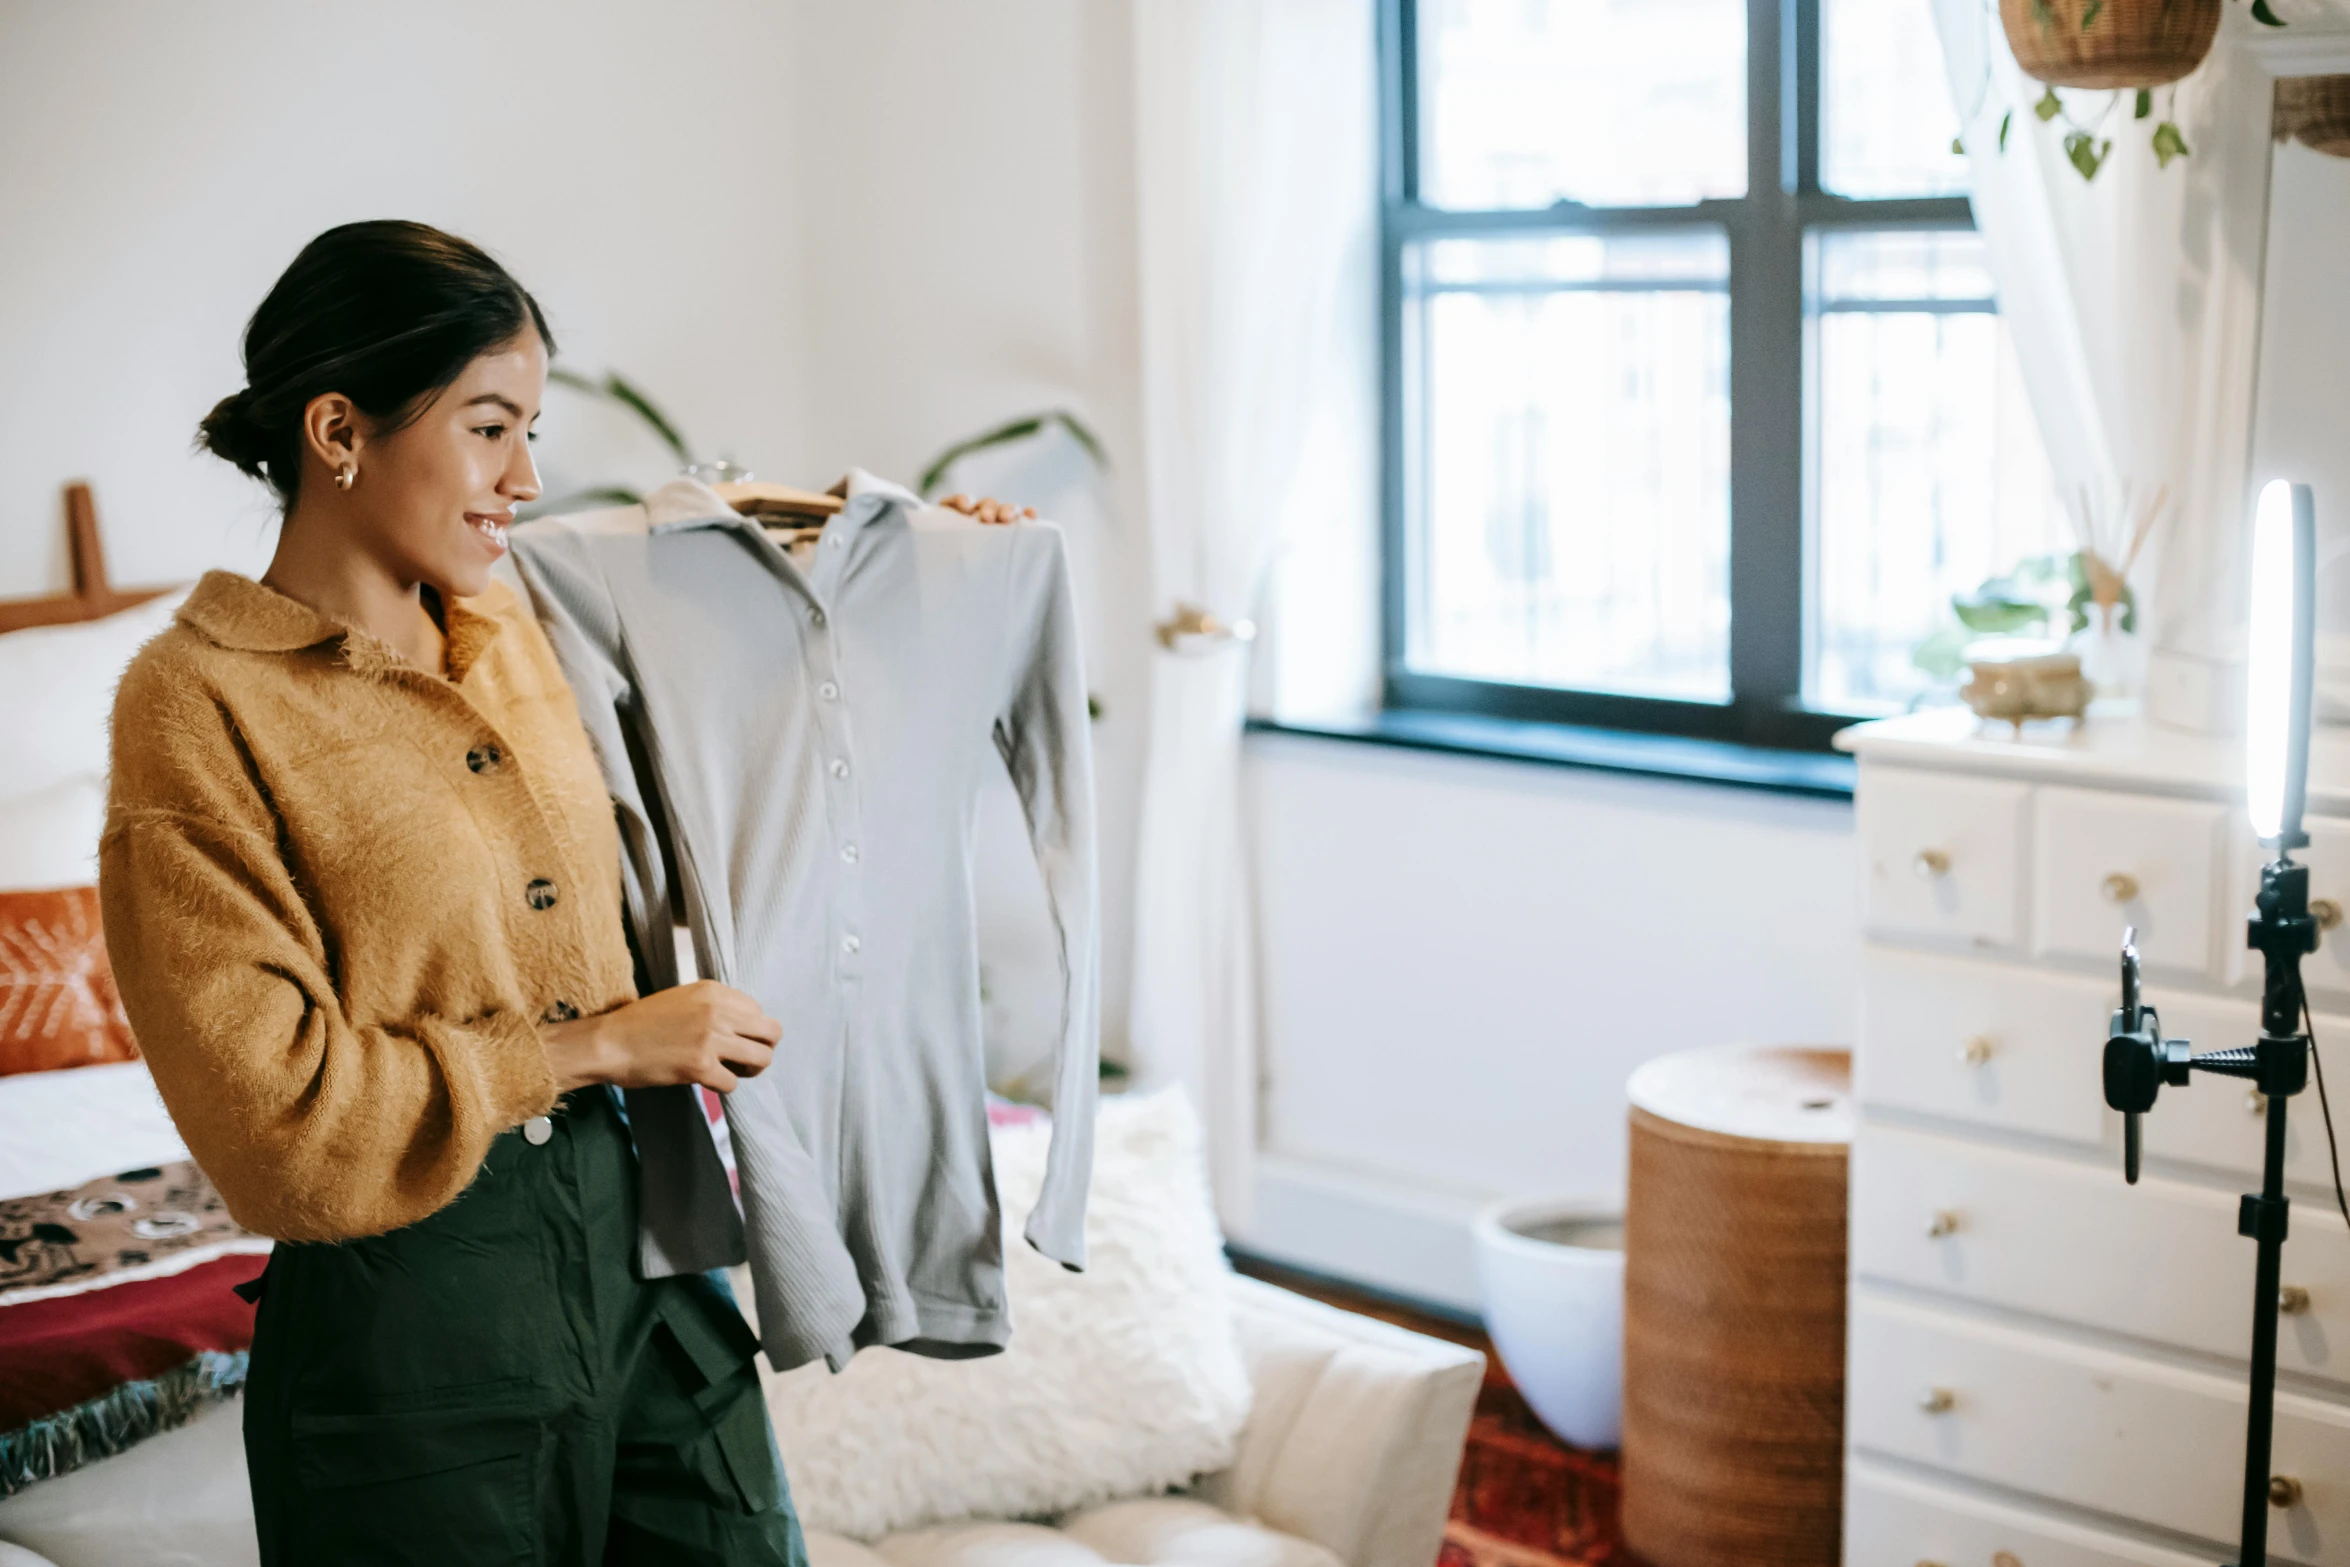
(1255, 130)
(2134, 304)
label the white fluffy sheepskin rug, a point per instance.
(1124, 1380)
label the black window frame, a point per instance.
(1770, 458)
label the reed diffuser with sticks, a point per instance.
(2111, 524)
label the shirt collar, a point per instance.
(237, 612)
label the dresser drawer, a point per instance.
(2326, 973)
(2160, 1260)
(2108, 861)
(2128, 1437)
(1992, 1043)
(2221, 1122)
(1895, 1520)
(1939, 856)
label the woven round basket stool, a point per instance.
(1734, 1307)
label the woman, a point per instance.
(361, 888)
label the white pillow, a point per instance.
(1124, 1380)
(49, 838)
(56, 689)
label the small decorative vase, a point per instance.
(2113, 661)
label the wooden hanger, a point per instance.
(782, 509)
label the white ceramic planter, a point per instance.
(1551, 1272)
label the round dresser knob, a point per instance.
(2284, 1491)
(1931, 863)
(2326, 912)
(2255, 1102)
(2292, 1301)
(1944, 1222)
(2120, 887)
(1937, 1401)
(1977, 1051)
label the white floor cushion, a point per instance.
(1124, 1380)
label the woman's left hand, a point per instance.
(988, 510)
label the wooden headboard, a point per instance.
(92, 595)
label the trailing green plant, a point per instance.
(2086, 147)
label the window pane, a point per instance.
(1885, 117)
(1570, 463)
(1606, 102)
(1927, 471)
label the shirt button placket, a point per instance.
(833, 729)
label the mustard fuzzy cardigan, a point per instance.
(340, 893)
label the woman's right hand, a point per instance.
(702, 1032)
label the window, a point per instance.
(1698, 405)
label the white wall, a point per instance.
(163, 163)
(1465, 959)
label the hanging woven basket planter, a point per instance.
(2315, 111)
(2109, 43)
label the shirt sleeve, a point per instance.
(313, 1129)
(574, 608)
(1045, 736)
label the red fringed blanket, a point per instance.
(118, 1316)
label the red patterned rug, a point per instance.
(1526, 1499)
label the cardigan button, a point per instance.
(537, 1130)
(560, 1012)
(541, 893)
(484, 758)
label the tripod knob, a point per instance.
(2138, 1061)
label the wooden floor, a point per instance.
(1525, 1499)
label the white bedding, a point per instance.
(175, 1500)
(59, 1129)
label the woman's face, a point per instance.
(432, 499)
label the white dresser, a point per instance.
(2046, 1365)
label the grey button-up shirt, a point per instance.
(807, 739)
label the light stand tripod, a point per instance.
(2139, 1061)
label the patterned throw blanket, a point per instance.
(118, 1316)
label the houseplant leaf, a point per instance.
(2005, 121)
(628, 397)
(1019, 429)
(2168, 143)
(2085, 152)
(2049, 106)
(2263, 15)
(2145, 104)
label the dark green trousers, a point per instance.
(496, 1385)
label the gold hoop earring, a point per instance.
(346, 476)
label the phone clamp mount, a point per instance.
(2139, 1062)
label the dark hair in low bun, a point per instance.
(386, 313)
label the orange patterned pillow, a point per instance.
(58, 1006)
